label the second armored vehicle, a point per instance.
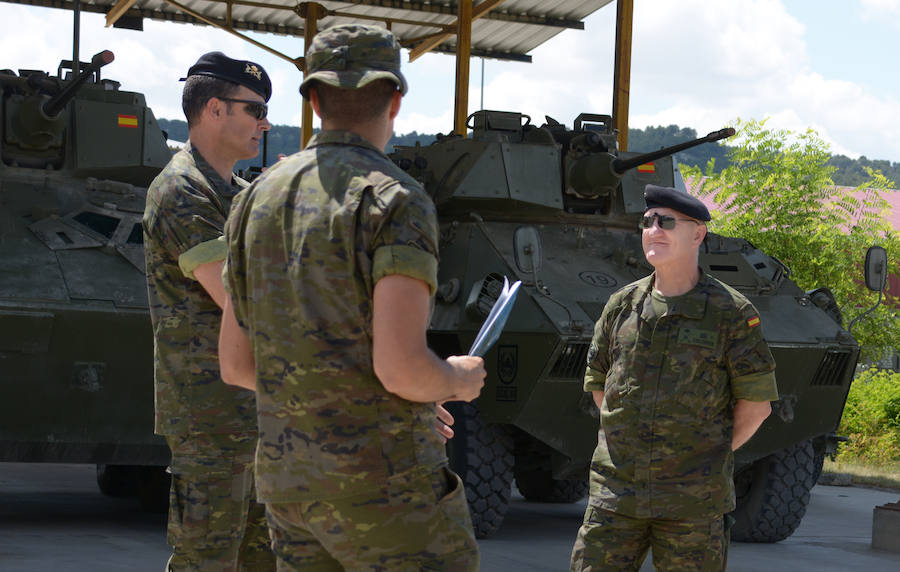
(558, 209)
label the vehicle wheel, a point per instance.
(534, 475)
(118, 481)
(153, 488)
(772, 494)
(818, 465)
(540, 486)
(482, 455)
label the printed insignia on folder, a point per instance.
(753, 322)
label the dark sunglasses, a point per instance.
(665, 222)
(256, 109)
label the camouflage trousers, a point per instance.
(215, 523)
(412, 524)
(615, 542)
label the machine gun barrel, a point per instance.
(619, 166)
(54, 105)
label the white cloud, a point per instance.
(878, 8)
(748, 60)
(695, 63)
(422, 123)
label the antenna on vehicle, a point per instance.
(76, 35)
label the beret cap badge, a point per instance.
(253, 70)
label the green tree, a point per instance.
(777, 192)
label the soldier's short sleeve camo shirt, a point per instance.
(306, 245)
(670, 380)
(184, 218)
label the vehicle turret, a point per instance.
(80, 124)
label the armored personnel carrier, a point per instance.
(76, 382)
(558, 209)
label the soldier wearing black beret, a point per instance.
(215, 522)
(682, 375)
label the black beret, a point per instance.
(241, 72)
(676, 200)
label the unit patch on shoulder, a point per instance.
(753, 322)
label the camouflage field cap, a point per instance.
(352, 56)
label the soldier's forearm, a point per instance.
(598, 398)
(748, 416)
(236, 364)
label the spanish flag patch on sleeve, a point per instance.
(753, 322)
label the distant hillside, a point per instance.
(850, 172)
(281, 139)
(653, 138)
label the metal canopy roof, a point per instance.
(505, 30)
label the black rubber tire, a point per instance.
(153, 488)
(772, 497)
(482, 455)
(818, 465)
(540, 486)
(119, 481)
(534, 474)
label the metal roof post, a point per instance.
(463, 50)
(311, 12)
(622, 79)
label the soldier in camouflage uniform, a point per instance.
(331, 269)
(215, 522)
(682, 375)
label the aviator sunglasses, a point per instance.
(256, 109)
(666, 222)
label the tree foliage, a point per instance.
(872, 419)
(778, 193)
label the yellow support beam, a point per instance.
(622, 80)
(436, 40)
(463, 49)
(310, 12)
(118, 11)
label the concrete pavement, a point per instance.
(54, 519)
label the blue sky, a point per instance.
(831, 66)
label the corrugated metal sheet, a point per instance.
(509, 31)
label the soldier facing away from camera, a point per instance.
(331, 269)
(682, 375)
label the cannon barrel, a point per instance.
(619, 166)
(54, 105)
